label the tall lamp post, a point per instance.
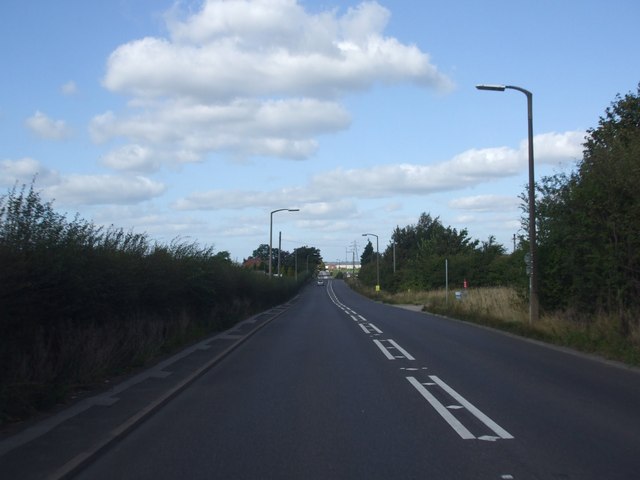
(271, 231)
(377, 260)
(310, 255)
(533, 260)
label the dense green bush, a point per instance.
(80, 302)
(589, 221)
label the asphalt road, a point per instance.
(340, 387)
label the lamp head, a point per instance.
(495, 88)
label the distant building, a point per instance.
(337, 266)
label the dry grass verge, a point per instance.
(504, 309)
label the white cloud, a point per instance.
(79, 189)
(329, 209)
(558, 148)
(233, 49)
(240, 199)
(485, 203)
(468, 169)
(253, 78)
(187, 131)
(23, 171)
(47, 128)
(131, 158)
(103, 189)
(69, 88)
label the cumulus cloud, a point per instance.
(558, 148)
(132, 158)
(23, 171)
(48, 128)
(484, 203)
(79, 189)
(467, 169)
(104, 189)
(245, 48)
(239, 199)
(254, 78)
(247, 127)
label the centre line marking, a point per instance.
(498, 430)
(401, 350)
(382, 348)
(364, 328)
(442, 410)
(375, 328)
(390, 355)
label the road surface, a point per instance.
(341, 387)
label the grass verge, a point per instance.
(502, 308)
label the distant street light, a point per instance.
(310, 255)
(377, 260)
(533, 259)
(271, 230)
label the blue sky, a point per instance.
(196, 119)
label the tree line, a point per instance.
(424, 255)
(588, 225)
(302, 261)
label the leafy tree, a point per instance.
(421, 251)
(368, 273)
(589, 221)
(307, 257)
(261, 253)
(223, 255)
(368, 254)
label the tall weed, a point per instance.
(80, 302)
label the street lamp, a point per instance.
(310, 255)
(533, 260)
(271, 230)
(377, 260)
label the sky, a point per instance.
(194, 120)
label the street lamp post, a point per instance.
(533, 278)
(309, 255)
(271, 231)
(377, 260)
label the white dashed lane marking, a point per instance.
(392, 345)
(455, 403)
(463, 404)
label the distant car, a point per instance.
(320, 282)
